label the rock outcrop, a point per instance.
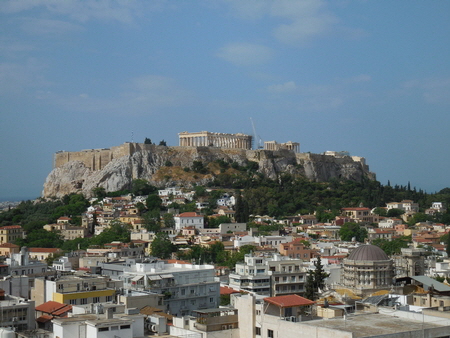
(118, 173)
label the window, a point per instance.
(73, 302)
(96, 300)
(114, 328)
(100, 329)
(270, 334)
(125, 327)
(183, 292)
(211, 299)
(83, 301)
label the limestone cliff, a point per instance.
(150, 164)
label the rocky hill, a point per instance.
(167, 166)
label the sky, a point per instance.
(368, 77)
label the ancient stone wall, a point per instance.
(97, 159)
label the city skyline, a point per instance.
(370, 78)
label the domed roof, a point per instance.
(368, 253)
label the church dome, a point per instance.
(368, 253)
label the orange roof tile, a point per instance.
(189, 214)
(7, 227)
(44, 250)
(50, 307)
(225, 290)
(8, 245)
(289, 301)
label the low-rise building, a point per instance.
(16, 312)
(73, 290)
(186, 287)
(188, 218)
(297, 249)
(11, 233)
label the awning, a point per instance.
(154, 278)
(169, 275)
(135, 279)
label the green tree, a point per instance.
(310, 291)
(162, 143)
(169, 221)
(99, 192)
(319, 274)
(352, 230)
(147, 141)
(395, 212)
(448, 245)
(117, 231)
(153, 202)
(140, 187)
(393, 246)
(152, 220)
(380, 211)
(214, 222)
(161, 246)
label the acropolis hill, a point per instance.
(114, 168)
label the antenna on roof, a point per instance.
(131, 136)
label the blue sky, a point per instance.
(368, 77)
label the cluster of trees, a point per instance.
(214, 253)
(149, 141)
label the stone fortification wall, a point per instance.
(97, 159)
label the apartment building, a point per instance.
(186, 287)
(270, 274)
(74, 290)
(11, 233)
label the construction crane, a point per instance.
(256, 137)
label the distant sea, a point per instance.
(17, 199)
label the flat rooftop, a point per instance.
(368, 325)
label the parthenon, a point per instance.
(274, 145)
(208, 139)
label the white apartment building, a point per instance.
(188, 219)
(389, 223)
(269, 275)
(405, 205)
(186, 287)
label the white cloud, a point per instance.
(80, 10)
(245, 54)
(297, 21)
(150, 94)
(35, 26)
(15, 78)
(282, 88)
(319, 97)
(432, 90)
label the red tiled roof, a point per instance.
(62, 310)
(289, 301)
(44, 250)
(225, 290)
(8, 245)
(51, 307)
(189, 214)
(7, 227)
